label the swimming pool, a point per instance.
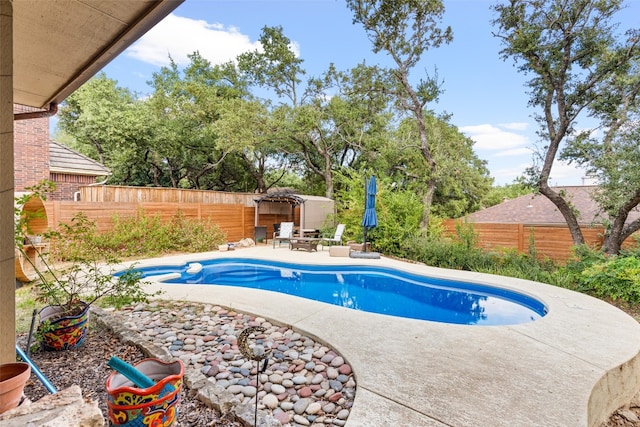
(367, 288)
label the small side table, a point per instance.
(307, 243)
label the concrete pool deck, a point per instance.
(573, 367)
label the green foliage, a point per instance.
(88, 274)
(580, 64)
(138, 236)
(399, 213)
(406, 30)
(89, 280)
(457, 254)
(617, 278)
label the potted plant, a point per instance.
(84, 276)
(13, 377)
(70, 291)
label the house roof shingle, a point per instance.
(65, 160)
(537, 209)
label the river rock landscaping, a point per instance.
(305, 382)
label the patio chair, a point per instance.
(284, 233)
(336, 239)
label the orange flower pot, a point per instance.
(13, 377)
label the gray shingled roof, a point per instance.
(537, 209)
(65, 160)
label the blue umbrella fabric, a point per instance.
(370, 217)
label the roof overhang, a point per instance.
(70, 171)
(59, 45)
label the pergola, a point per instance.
(47, 50)
(289, 198)
(314, 210)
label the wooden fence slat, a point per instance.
(230, 218)
(551, 241)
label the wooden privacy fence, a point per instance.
(236, 220)
(552, 241)
(126, 194)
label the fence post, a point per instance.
(521, 238)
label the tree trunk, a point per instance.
(328, 176)
(427, 200)
(565, 210)
(619, 232)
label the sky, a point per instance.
(485, 95)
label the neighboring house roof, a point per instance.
(537, 209)
(65, 160)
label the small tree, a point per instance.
(405, 30)
(87, 277)
(570, 47)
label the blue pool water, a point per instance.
(373, 289)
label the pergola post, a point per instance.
(7, 244)
(256, 214)
(302, 215)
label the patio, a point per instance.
(571, 368)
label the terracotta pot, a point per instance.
(63, 333)
(13, 377)
(153, 406)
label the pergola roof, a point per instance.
(281, 197)
(287, 196)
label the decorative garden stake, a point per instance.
(257, 353)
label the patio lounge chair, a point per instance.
(337, 237)
(284, 233)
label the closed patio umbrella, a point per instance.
(370, 218)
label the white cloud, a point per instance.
(179, 37)
(514, 152)
(522, 126)
(506, 175)
(561, 173)
(490, 137)
(565, 174)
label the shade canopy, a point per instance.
(281, 197)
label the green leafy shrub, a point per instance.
(87, 275)
(139, 236)
(398, 211)
(617, 278)
(188, 235)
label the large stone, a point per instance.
(218, 398)
(66, 408)
(194, 379)
(246, 413)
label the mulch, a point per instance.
(86, 366)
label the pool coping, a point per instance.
(573, 367)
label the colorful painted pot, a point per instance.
(153, 406)
(62, 333)
(13, 377)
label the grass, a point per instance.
(25, 304)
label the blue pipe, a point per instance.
(45, 382)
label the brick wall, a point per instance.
(67, 185)
(31, 149)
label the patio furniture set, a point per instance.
(307, 239)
